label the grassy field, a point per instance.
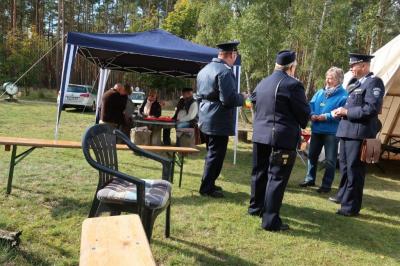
(53, 189)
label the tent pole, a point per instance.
(104, 73)
(69, 55)
(237, 71)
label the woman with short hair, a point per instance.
(324, 127)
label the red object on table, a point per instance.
(306, 135)
(161, 118)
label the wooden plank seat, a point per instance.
(11, 143)
(114, 240)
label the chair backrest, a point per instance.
(101, 140)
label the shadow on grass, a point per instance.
(8, 256)
(65, 207)
(379, 204)
(211, 256)
(357, 233)
(196, 199)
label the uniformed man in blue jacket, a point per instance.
(281, 108)
(217, 91)
(359, 121)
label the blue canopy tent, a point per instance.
(152, 52)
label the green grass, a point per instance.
(53, 189)
(46, 95)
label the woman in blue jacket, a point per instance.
(324, 127)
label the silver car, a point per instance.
(79, 96)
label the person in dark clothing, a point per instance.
(186, 114)
(217, 91)
(113, 106)
(281, 108)
(150, 107)
(359, 121)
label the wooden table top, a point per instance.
(40, 143)
(114, 240)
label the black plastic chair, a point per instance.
(118, 192)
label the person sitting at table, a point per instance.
(113, 106)
(186, 114)
(151, 107)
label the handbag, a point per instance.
(280, 157)
(370, 150)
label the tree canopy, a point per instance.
(322, 32)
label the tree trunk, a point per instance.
(309, 90)
(14, 17)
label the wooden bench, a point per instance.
(176, 153)
(114, 240)
(242, 134)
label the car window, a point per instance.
(77, 89)
(137, 96)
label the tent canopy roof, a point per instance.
(155, 52)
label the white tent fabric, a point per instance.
(236, 71)
(103, 77)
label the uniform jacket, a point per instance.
(217, 92)
(363, 105)
(292, 111)
(322, 105)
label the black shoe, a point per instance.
(307, 184)
(254, 213)
(217, 188)
(334, 199)
(323, 190)
(340, 212)
(213, 194)
(283, 227)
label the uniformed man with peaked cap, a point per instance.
(359, 121)
(281, 108)
(217, 91)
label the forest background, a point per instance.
(322, 32)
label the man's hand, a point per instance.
(245, 95)
(339, 112)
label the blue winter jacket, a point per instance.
(320, 104)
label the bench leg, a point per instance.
(11, 171)
(173, 167)
(167, 220)
(181, 169)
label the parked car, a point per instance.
(137, 97)
(79, 96)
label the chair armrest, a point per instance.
(167, 164)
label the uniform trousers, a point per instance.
(352, 172)
(216, 149)
(268, 184)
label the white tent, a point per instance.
(386, 65)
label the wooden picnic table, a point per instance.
(177, 153)
(155, 126)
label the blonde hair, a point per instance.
(337, 73)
